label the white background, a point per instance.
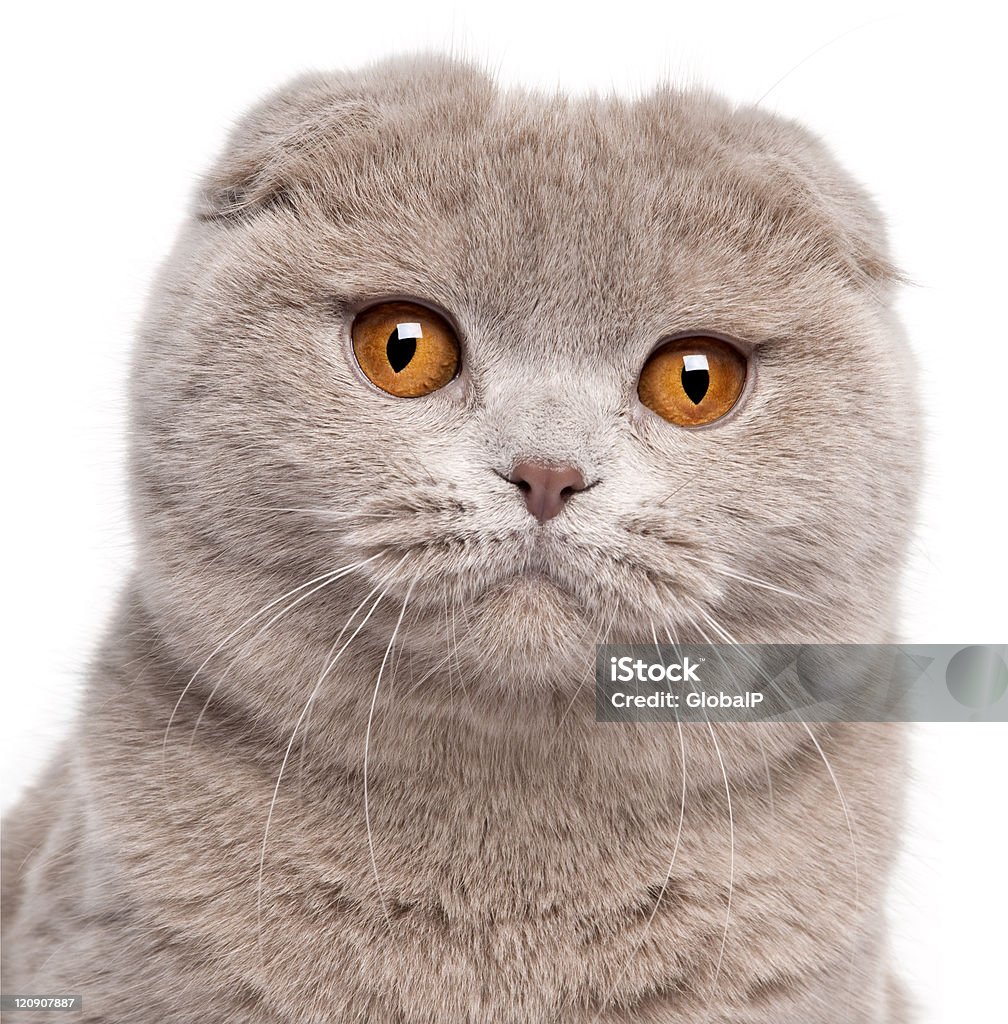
(111, 112)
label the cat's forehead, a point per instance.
(550, 212)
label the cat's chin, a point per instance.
(532, 622)
(527, 593)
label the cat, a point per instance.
(408, 438)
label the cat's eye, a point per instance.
(692, 381)
(405, 349)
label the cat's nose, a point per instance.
(546, 488)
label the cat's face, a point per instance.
(563, 243)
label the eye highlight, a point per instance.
(692, 381)
(405, 349)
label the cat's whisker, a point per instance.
(681, 487)
(327, 576)
(731, 836)
(836, 785)
(754, 581)
(415, 683)
(263, 629)
(819, 49)
(367, 752)
(401, 650)
(853, 843)
(448, 651)
(603, 631)
(325, 513)
(682, 802)
(668, 874)
(731, 864)
(461, 607)
(297, 726)
(458, 664)
(727, 637)
(328, 663)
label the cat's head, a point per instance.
(552, 367)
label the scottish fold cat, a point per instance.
(443, 384)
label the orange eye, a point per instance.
(691, 381)
(405, 349)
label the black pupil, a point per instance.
(695, 383)
(400, 351)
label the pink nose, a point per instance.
(546, 488)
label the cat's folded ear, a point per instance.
(807, 188)
(852, 228)
(269, 150)
(293, 140)
(784, 193)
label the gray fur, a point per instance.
(520, 849)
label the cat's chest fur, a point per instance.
(495, 884)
